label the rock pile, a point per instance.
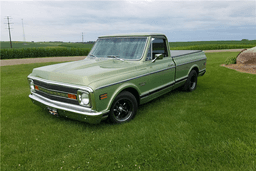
(247, 57)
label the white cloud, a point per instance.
(66, 20)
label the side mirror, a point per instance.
(157, 57)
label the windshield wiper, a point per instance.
(92, 55)
(112, 56)
(115, 56)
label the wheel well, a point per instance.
(134, 92)
(196, 69)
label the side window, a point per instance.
(159, 47)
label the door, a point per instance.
(160, 73)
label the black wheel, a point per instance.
(191, 82)
(123, 108)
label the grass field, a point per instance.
(200, 45)
(212, 45)
(6, 45)
(234, 42)
(212, 128)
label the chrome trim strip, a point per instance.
(56, 96)
(107, 37)
(55, 91)
(65, 106)
(61, 84)
(157, 90)
(181, 79)
(134, 35)
(203, 70)
(135, 77)
(164, 87)
(191, 62)
(52, 89)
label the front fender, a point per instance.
(121, 88)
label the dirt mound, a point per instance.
(247, 57)
(245, 61)
(248, 68)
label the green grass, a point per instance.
(42, 52)
(234, 42)
(212, 45)
(230, 60)
(212, 128)
(199, 45)
(76, 45)
(16, 44)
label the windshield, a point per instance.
(124, 48)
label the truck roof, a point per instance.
(134, 35)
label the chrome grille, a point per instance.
(56, 92)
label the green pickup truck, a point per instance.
(120, 73)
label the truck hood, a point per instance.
(84, 72)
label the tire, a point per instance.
(191, 82)
(124, 108)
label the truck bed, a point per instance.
(177, 53)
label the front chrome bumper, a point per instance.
(69, 110)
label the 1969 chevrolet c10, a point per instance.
(120, 73)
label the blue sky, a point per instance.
(179, 20)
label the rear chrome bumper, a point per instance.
(69, 110)
(202, 72)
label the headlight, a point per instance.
(83, 98)
(32, 86)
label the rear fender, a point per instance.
(193, 67)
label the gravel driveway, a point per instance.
(39, 60)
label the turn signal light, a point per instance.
(103, 96)
(36, 87)
(72, 96)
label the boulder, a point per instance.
(247, 56)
